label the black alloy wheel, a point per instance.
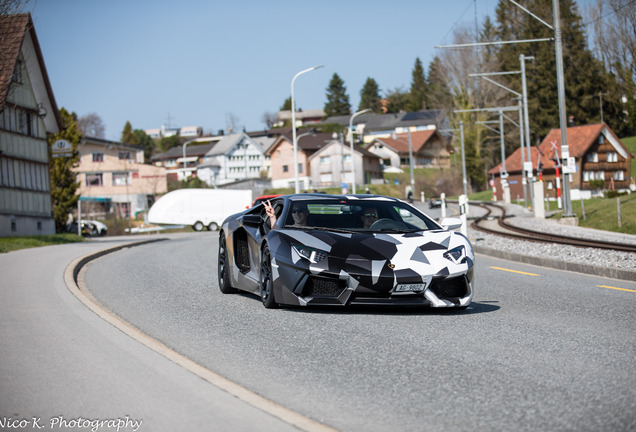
(267, 285)
(224, 272)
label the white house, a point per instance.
(234, 157)
(333, 165)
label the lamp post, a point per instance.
(185, 162)
(353, 163)
(293, 108)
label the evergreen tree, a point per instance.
(127, 136)
(370, 96)
(417, 95)
(142, 139)
(64, 182)
(397, 100)
(286, 105)
(583, 74)
(337, 99)
(439, 94)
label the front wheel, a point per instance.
(224, 271)
(267, 284)
(198, 226)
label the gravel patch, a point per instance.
(585, 256)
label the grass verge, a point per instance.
(8, 244)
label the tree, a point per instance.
(337, 99)
(396, 100)
(615, 45)
(417, 94)
(269, 118)
(91, 125)
(583, 74)
(439, 94)
(64, 182)
(286, 105)
(370, 96)
(142, 139)
(127, 136)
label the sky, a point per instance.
(201, 63)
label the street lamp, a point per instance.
(353, 164)
(293, 108)
(185, 162)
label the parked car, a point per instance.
(434, 203)
(345, 250)
(89, 228)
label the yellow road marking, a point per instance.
(514, 271)
(615, 288)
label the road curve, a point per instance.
(63, 365)
(540, 349)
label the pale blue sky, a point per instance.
(200, 61)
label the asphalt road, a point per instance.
(64, 368)
(539, 349)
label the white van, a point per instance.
(199, 208)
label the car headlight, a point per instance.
(456, 254)
(312, 254)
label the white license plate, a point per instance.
(410, 287)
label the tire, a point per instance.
(213, 226)
(267, 283)
(198, 226)
(223, 268)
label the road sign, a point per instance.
(62, 148)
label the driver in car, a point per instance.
(369, 216)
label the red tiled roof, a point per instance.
(12, 31)
(401, 142)
(580, 138)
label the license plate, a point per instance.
(410, 287)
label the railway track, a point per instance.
(506, 229)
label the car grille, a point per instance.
(450, 287)
(324, 287)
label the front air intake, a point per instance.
(323, 287)
(456, 287)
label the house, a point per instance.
(234, 157)
(28, 114)
(114, 178)
(374, 125)
(178, 167)
(333, 165)
(430, 150)
(281, 155)
(302, 118)
(602, 162)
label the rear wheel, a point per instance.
(198, 226)
(213, 226)
(224, 271)
(267, 284)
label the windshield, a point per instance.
(357, 216)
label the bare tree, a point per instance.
(615, 33)
(232, 123)
(9, 7)
(269, 119)
(91, 125)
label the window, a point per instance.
(300, 168)
(123, 155)
(285, 168)
(98, 157)
(612, 157)
(20, 120)
(346, 158)
(22, 174)
(16, 77)
(95, 179)
(592, 157)
(619, 175)
(121, 179)
(326, 178)
(325, 159)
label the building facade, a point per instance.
(28, 115)
(114, 179)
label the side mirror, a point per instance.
(451, 223)
(252, 220)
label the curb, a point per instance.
(74, 279)
(608, 272)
